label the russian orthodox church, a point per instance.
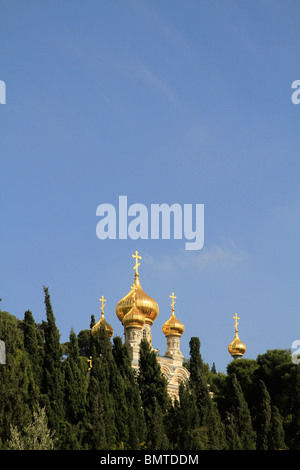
(137, 311)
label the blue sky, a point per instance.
(163, 101)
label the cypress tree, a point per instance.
(153, 389)
(277, 435)
(263, 418)
(101, 414)
(295, 409)
(157, 437)
(32, 346)
(104, 370)
(95, 437)
(242, 417)
(232, 436)
(30, 337)
(16, 379)
(135, 415)
(52, 374)
(75, 382)
(185, 430)
(152, 383)
(208, 412)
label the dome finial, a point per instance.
(103, 300)
(133, 287)
(137, 264)
(236, 318)
(173, 297)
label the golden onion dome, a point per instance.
(236, 348)
(134, 318)
(102, 322)
(145, 304)
(173, 327)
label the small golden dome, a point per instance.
(236, 348)
(145, 304)
(173, 327)
(134, 318)
(102, 321)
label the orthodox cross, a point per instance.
(173, 297)
(236, 318)
(103, 300)
(134, 293)
(137, 264)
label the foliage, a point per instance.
(52, 399)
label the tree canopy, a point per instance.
(54, 397)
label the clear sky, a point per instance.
(185, 101)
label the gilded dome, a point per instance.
(145, 304)
(102, 321)
(236, 347)
(134, 318)
(173, 327)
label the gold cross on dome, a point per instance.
(236, 318)
(173, 297)
(102, 306)
(137, 264)
(133, 288)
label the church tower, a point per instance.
(173, 330)
(137, 311)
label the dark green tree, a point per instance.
(263, 418)
(102, 432)
(95, 435)
(157, 437)
(135, 415)
(184, 427)
(277, 434)
(242, 417)
(32, 346)
(294, 431)
(233, 441)
(52, 386)
(75, 382)
(207, 408)
(17, 385)
(153, 389)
